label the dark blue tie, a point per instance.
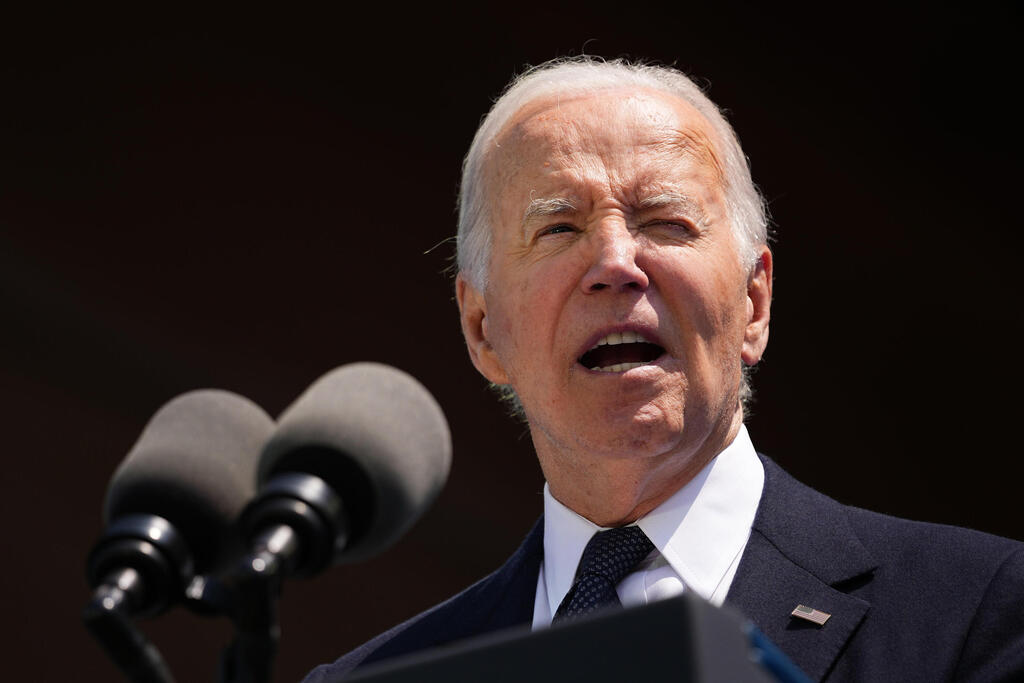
(608, 557)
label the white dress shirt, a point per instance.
(698, 534)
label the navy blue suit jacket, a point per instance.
(909, 601)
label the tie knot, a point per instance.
(615, 552)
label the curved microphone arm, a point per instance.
(104, 618)
(137, 568)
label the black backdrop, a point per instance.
(247, 201)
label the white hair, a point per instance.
(574, 76)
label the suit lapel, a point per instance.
(801, 552)
(513, 588)
(502, 600)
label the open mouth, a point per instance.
(620, 351)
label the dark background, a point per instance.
(247, 201)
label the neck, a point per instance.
(613, 491)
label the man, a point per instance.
(615, 281)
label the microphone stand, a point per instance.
(295, 525)
(255, 589)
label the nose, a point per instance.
(613, 261)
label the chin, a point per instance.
(636, 435)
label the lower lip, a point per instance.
(622, 373)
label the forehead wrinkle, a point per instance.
(582, 159)
(696, 144)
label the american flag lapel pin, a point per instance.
(810, 614)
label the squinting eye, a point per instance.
(557, 229)
(670, 225)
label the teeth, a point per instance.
(620, 338)
(619, 367)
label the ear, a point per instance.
(473, 316)
(759, 304)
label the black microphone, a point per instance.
(169, 515)
(352, 464)
(172, 502)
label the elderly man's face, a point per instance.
(609, 226)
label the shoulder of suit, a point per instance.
(914, 548)
(930, 547)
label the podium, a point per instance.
(683, 639)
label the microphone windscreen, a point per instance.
(195, 465)
(378, 438)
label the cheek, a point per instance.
(512, 331)
(532, 303)
(708, 307)
(501, 334)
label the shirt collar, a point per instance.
(699, 530)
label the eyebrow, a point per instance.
(558, 206)
(684, 202)
(552, 206)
